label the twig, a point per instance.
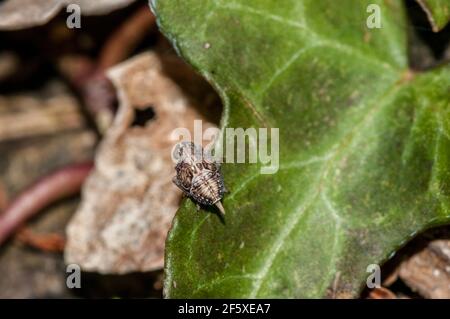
(94, 89)
(50, 242)
(123, 41)
(59, 184)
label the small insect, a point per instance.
(198, 175)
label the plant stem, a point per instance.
(64, 182)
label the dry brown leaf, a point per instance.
(428, 271)
(129, 200)
(20, 14)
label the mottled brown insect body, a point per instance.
(207, 187)
(198, 176)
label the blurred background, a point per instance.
(105, 92)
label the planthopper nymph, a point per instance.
(198, 175)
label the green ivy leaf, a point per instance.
(364, 146)
(438, 12)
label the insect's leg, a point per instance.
(176, 182)
(198, 206)
(179, 185)
(225, 189)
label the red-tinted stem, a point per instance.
(48, 242)
(126, 38)
(64, 182)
